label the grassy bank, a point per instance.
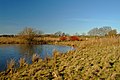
(20, 40)
(94, 59)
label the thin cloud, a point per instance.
(94, 20)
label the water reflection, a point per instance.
(26, 51)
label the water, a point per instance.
(16, 52)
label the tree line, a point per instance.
(103, 31)
(30, 33)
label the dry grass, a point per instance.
(11, 64)
(94, 59)
(48, 38)
(22, 62)
(11, 40)
(20, 40)
(35, 58)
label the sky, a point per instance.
(50, 16)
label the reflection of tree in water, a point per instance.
(27, 50)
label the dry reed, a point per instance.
(35, 58)
(22, 62)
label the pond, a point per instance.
(8, 52)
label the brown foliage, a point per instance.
(74, 38)
(63, 38)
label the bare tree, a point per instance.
(93, 32)
(99, 31)
(29, 34)
(59, 33)
(112, 32)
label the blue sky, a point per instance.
(50, 16)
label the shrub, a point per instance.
(74, 38)
(63, 38)
(29, 34)
(112, 32)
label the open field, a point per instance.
(93, 59)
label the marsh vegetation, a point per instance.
(96, 58)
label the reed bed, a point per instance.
(94, 59)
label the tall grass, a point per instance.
(94, 59)
(35, 58)
(22, 62)
(10, 66)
